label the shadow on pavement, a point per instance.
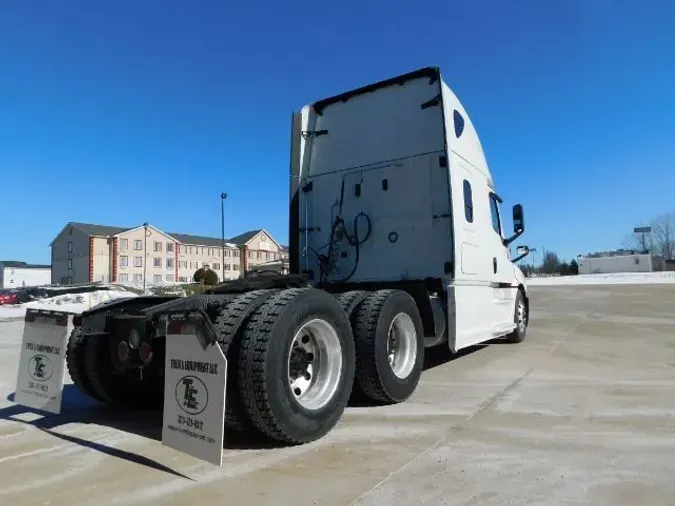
(79, 409)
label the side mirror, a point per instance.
(518, 220)
(523, 251)
(518, 224)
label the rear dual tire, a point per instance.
(389, 339)
(296, 365)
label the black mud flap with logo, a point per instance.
(42, 361)
(194, 387)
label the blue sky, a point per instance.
(122, 112)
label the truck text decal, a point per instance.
(44, 348)
(191, 365)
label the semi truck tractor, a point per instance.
(397, 245)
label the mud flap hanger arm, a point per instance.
(181, 321)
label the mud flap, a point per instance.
(42, 362)
(195, 377)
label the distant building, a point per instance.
(619, 261)
(15, 274)
(84, 252)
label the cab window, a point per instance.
(494, 211)
(468, 202)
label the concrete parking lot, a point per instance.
(582, 412)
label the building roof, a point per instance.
(201, 240)
(23, 265)
(246, 236)
(106, 231)
(99, 230)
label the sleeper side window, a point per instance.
(468, 202)
(494, 211)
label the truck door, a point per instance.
(503, 287)
(471, 309)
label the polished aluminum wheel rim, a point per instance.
(521, 315)
(315, 364)
(402, 345)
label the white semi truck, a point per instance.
(397, 245)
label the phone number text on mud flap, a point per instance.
(190, 422)
(38, 386)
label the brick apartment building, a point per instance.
(84, 252)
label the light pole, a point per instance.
(145, 252)
(223, 196)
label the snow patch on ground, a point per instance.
(73, 303)
(617, 278)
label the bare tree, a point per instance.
(638, 242)
(551, 262)
(663, 235)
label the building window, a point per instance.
(138, 261)
(70, 246)
(182, 279)
(169, 263)
(138, 245)
(64, 280)
(157, 278)
(183, 264)
(157, 262)
(138, 277)
(124, 278)
(235, 267)
(226, 267)
(216, 267)
(169, 247)
(205, 265)
(124, 244)
(468, 202)
(157, 246)
(124, 261)
(169, 277)
(235, 254)
(250, 254)
(69, 280)
(494, 211)
(70, 263)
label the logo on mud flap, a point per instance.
(192, 395)
(40, 368)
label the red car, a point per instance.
(8, 298)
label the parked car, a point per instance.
(30, 293)
(7, 297)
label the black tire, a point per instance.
(351, 300)
(263, 366)
(372, 321)
(229, 323)
(75, 362)
(518, 335)
(126, 390)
